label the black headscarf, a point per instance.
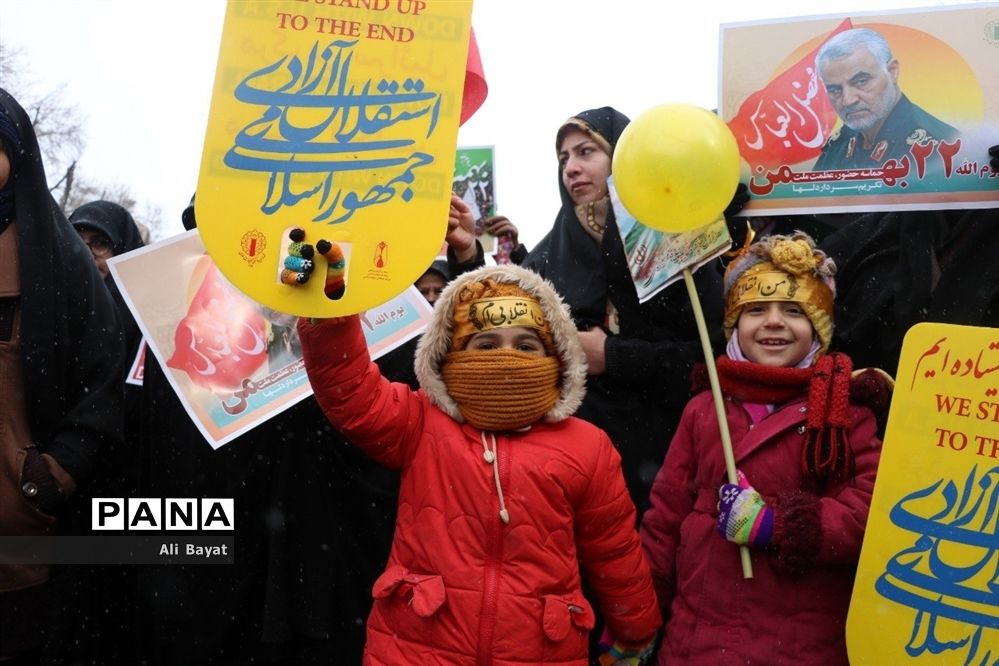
(115, 222)
(112, 220)
(568, 256)
(71, 344)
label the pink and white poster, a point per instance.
(233, 362)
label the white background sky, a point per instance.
(141, 72)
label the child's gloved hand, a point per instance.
(743, 516)
(994, 157)
(615, 653)
(300, 263)
(335, 268)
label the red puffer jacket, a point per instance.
(462, 587)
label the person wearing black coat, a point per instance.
(314, 523)
(901, 268)
(109, 230)
(61, 365)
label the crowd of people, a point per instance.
(545, 486)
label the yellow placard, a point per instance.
(339, 117)
(927, 587)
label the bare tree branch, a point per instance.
(60, 128)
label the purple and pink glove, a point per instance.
(743, 516)
(616, 653)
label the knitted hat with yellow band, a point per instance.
(494, 297)
(782, 268)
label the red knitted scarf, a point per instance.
(826, 455)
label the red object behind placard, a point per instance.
(476, 89)
(788, 121)
(221, 341)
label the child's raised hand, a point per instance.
(336, 267)
(743, 516)
(300, 263)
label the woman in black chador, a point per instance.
(639, 355)
(60, 403)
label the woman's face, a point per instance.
(100, 247)
(4, 166)
(431, 284)
(585, 167)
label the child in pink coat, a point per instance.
(807, 455)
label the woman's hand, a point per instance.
(461, 230)
(499, 225)
(593, 346)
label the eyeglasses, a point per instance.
(99, 247)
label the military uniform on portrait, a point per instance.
(906, 125)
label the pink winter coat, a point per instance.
(462, 587)
(794, 609)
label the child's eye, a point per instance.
(527, 347)
(794, 310)
(754, 309)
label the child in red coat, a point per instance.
(807, 457)
(504, 495)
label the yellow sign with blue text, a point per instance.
(339, 118)
(927, 587)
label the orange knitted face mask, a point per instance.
(501, 389)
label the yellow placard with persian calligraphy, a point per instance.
(927, 590)
(339, 117)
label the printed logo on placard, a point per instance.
(381, 255)
(379, 260)
(252, 246)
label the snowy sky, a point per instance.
(141, 72)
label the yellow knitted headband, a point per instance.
(486, 314)
(763, 282)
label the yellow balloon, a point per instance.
(676, 167)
